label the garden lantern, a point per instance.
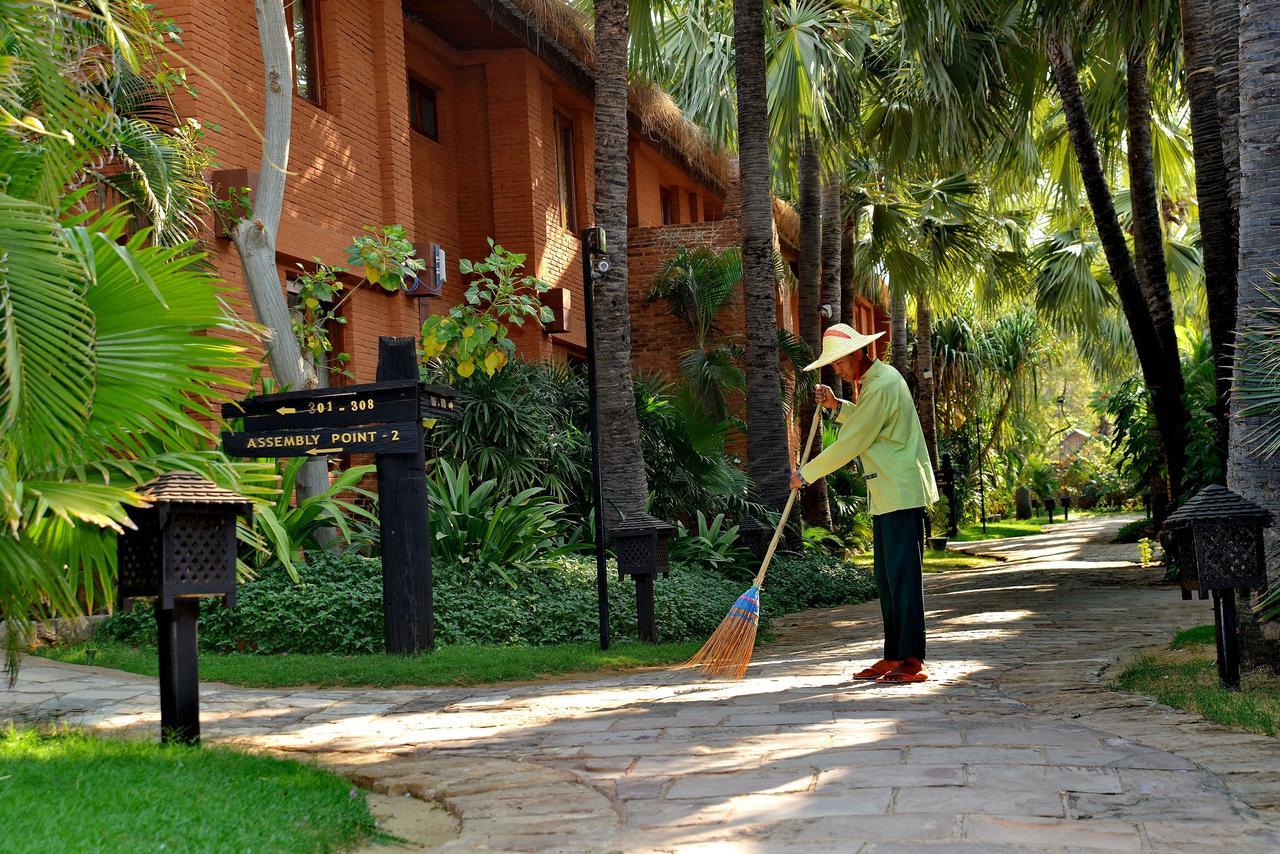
(753, 535)
(1215, 541)
(183, 549)
(1065, 501)
(1049, 505)
(640, 544)
(947, 483)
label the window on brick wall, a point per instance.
(668, 201)
(424, 116)
(566, 184)
(303, 18)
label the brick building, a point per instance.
(460, 120)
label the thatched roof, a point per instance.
(653, 112)
(787, 221)
(658, 118)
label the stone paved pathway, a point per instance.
(1014, 746)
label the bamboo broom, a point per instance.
(727, 652)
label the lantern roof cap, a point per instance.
(640, 523)
(1216, 503)
(181, 487)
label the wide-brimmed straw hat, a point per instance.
(839, 341)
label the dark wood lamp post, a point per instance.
(183, 549)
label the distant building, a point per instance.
(1073, 442)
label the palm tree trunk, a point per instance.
(255, 236)
(817, 509)
(848, 295)
(623, 483)
(898, 330)
(832, 237)
(1249, 473)
(1218, 231)
(1165, 385)
(1148, 231)
(769, 458)
(1226, 51)
(925, 405)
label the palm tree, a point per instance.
(833, 233)
(1206, 27)
(1160, 372)
(768, 456)
(1144, 198)
(622, 472)
(697, 285)
(112, 343)
(1250, 471)
(817, 510)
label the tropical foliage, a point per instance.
(475, 334)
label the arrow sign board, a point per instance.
(400, 438)
(371, 403)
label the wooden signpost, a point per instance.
(386, 419)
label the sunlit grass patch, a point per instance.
(69, 791)
(1186, 677)
(451, 665)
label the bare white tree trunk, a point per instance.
(255, 236)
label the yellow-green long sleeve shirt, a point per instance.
(882, 428)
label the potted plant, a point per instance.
(938, 519)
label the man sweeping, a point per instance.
(883, 431)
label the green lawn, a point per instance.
(1186, 677)
(68, 791)
(940, 561)
(1023, 527)
(455, 665)
(1004, 528)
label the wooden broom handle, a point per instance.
(791, 500)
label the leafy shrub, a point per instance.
(482, 534)
(337, 607)
(796, 582)
(281, 531)
(474, 334)
(525, 426)
(711, 545)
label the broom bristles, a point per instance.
(727, 653)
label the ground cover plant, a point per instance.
(1185, 676)
(326, 628)
(75, 792)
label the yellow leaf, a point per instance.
(466, 369)
(372, 274)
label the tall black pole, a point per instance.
(589, 248)
(179, 671)
(409, 623)
(982, 487)
(1228, 639)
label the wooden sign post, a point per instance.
(385, 419)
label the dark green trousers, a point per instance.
(898, 544)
